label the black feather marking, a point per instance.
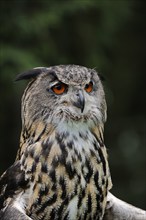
(103, 160)
(89, 203)
(49, 202)
(11, 181)
(30, 74)
(90, 171)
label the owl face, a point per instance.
(65, 93)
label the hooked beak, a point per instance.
(80, 101)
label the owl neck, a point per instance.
(81, 129)
(41, 132)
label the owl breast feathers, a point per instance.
(61, 169)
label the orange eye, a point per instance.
(89, 87)
(59, 88)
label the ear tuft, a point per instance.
(30, 74)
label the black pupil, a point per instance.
(58, 86)
(87, 85)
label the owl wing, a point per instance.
(11, 183)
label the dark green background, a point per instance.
(109, 35)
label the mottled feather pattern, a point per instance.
(62, 152)
(66, 168)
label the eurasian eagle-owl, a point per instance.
(61, 169)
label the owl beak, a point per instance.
(80, 100)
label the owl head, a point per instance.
(63, 94)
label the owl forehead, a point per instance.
(72, 74)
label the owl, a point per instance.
(61, 169)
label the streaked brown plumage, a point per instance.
(62, 158)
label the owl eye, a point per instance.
(89, 87)
(59, 88)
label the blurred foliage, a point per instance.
(108, 35)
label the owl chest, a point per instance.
(69, 184)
